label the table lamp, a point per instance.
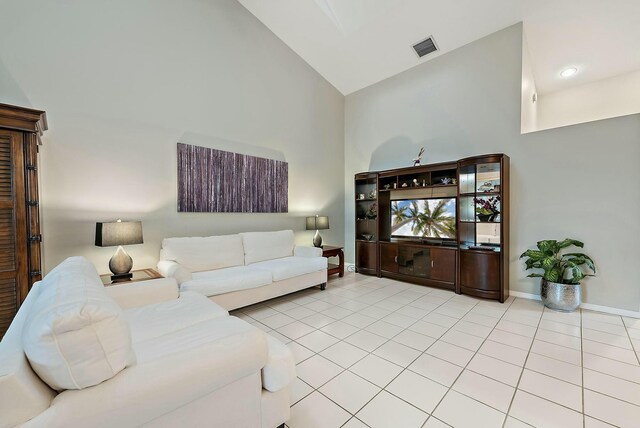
(119, 233)
(317, 223)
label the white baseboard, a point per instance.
(588, 306)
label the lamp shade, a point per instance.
(111, 234)
(318, 222)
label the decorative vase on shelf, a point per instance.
(485, 217)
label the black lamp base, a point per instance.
(122, 277)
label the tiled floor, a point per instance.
(379, 353)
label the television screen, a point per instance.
(424, 218)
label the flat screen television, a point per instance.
(424, 218)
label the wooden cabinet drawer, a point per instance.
(443, 265)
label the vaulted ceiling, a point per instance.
(356, 43)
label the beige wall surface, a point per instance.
(579, 181)
(123, 82)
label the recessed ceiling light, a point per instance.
(568, 72)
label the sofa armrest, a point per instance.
(305, 251)
(171, 269)
(143, 293)
(145, 392)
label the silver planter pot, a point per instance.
(561, 297)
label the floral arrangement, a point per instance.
(487, 205)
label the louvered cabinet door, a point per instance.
(14, 279)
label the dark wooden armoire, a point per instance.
(20, 238)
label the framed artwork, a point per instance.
(216, 181)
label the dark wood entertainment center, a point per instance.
(472, 259)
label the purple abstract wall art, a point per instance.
(217, 181)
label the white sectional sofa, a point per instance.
(243, 269)
(82, 355)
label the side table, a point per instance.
(138, 275)
(329, 251)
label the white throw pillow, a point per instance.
(199, 254)
(260, 246)
(76, 336)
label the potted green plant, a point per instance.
(561, 273)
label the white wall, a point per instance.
(603, 99)
(580, 181)
(123, 82)
(528, 106)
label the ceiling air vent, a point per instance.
(425, 47)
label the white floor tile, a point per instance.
(317, 370)
(354, 423)
(384, 329)
(317, 341)
(317, 320)
(539, 412)
(339, 329)
(611, 410)
(428, 329)
(612, 386)
(488, 391)
(365, 340)
(299, 390)
(608, 351)
(400, 320)
(460, 411)
(607, 338)
(417, 390)
(337, 312)
(495, 369)
(511, 339)
(350, 391)
(475, 329)
(299, 312)
(463, 340)
(397, 353)
(300, 353)
(359, 320)
(612, 367)
(277, 320)
(502, 352)
(590, 422)
(344, 354)
(451, 353)
(484, 320)
(512, 422)
(558, 352)
(376, 370)
(433, 422)
(514, 327)
(387, 411)
(295, 330)
(317, 411)
(552, 389)
(555, 368)
(558, 327)
(414, 340)
(561, 339)
(436, 369)
(440, 319)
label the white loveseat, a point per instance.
(81, 355)
(243, 269)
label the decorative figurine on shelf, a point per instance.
(446, 180)
(387, 186)
(372, 212)
(372, 194)
(404, 185)
(415, 182)
(416, 161)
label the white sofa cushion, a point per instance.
(217, 330)
(222, 281)
(280, 369)
(204, 253)
(148, 322)
(259, 246)
(75, 336)
(288, 267)
(23, 395)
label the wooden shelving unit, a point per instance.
(474, 261)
